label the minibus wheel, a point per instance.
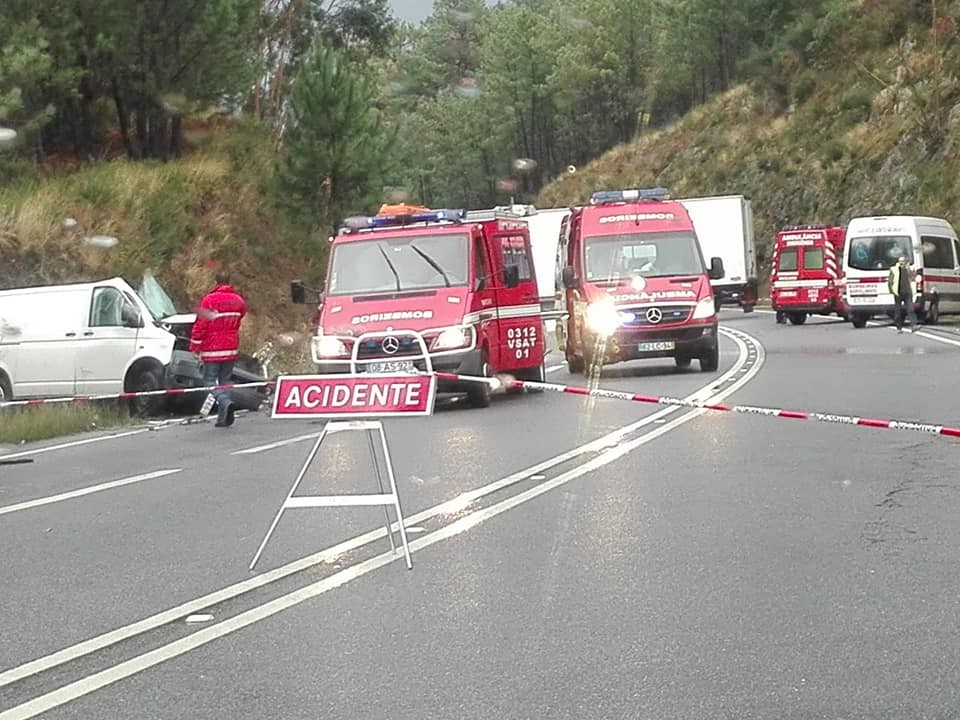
(534, 374)
(859, 320)
(933, 313)
(711, 361)
(6, 391)
(574, 364)
(479, 393)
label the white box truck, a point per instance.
(724, 226)
(544, 226)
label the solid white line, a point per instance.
(74, 443)
(329, 555)
(944, 340)
(555, 368)
(279, 443)
(86, 491)
(94, 682)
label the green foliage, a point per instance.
(334, 144)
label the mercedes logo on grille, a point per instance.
(390, 345)
(654, 315)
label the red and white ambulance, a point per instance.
(806, 272)
(468, 289)
(635, 283)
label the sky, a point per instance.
(411, 10)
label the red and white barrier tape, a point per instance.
(554, 387)
(743, 409)
(130, 395)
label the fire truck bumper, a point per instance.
(692, 340)
(466, 362)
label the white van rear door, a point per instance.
(108, 342)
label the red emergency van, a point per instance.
(805, 273)
(468, 289)
(635, 284)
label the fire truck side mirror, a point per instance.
(511, 276)
(716, 268)
(298, 293)
(569, 279)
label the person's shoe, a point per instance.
(900, 331)
(225, 416)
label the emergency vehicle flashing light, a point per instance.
(791, 228)
(604, 197)
(383, 221)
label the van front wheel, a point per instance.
(6, 391)
(145, 380)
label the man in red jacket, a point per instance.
(215, 340)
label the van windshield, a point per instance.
(616, 257)
(410, 262)
(878, 252)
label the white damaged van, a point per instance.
(98, 338)
(84, 339)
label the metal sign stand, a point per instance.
(372, 428)
(386, 499)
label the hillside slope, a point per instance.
(864, 139)
(182, 220)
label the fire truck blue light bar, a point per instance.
(602, 197)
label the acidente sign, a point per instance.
(345, 396)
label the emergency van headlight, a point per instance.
(327, 346)
(602, 318)
(452, 338)
(706, 308)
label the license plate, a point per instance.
(390, 366)
(863, 300)
(788, 293)
(656, 346)
(864, 288)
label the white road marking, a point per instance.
(452, 506)
(86, 491)
(74, 443)
(555, 368)
(279, 443)
(947, 341)
(130, 667)
(199, 618)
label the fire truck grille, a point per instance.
(375, 348)
(651, 316)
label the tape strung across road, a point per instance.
(130, 395)
(930, 428)
(742, 409)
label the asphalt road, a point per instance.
(573, 557)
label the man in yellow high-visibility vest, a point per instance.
(901, 281)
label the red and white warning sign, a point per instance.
(344, 396)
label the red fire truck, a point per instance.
(467, 289)
(635, 284)
(806, 272)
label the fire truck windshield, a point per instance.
(409, 262)
(616, 257)
(878, 252)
